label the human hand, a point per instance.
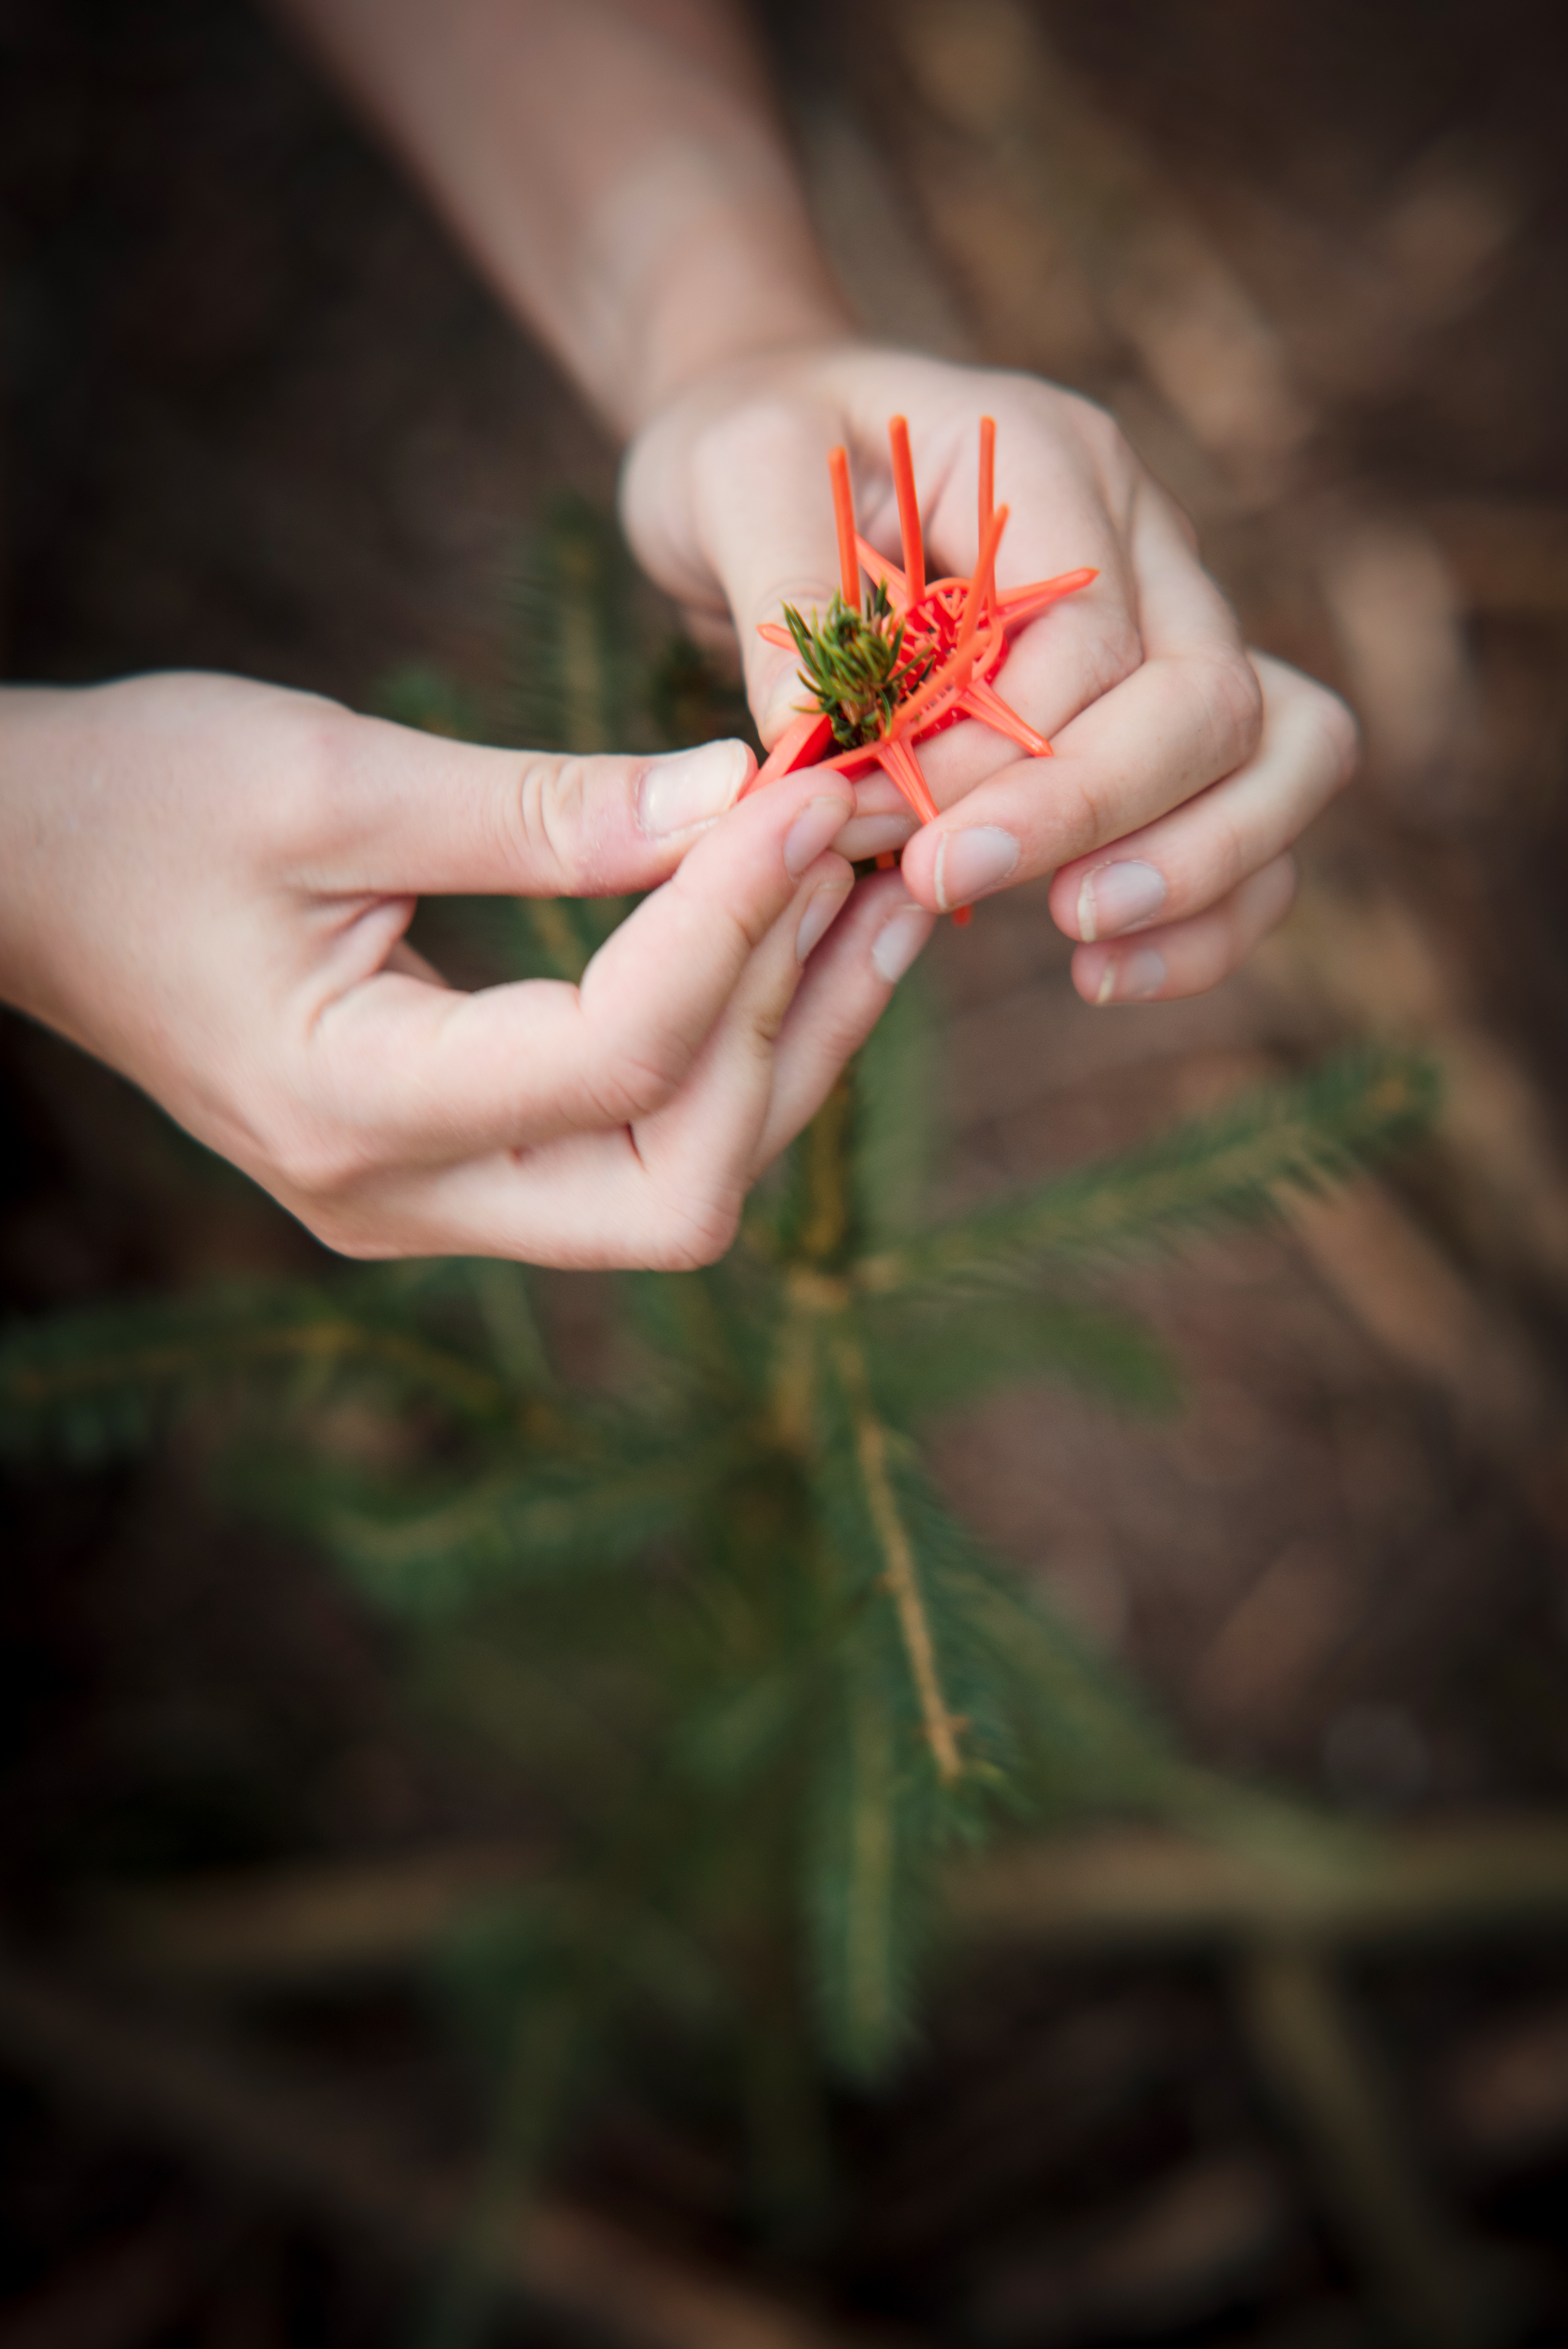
(207, 883)
(1183, 771)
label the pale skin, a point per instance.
(208, 882)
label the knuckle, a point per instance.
(634, 1084)
(303, 799)
(549, 808)
(1233, 702)
(693, 1233)
(748, 918)
(318, 1163)
(1111, 462)
(1111, 656)
(768, 1021)
(1082, 822)
(1095, 424)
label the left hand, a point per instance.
(1184, 770)
(207, 882)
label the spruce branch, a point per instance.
(901, 1574)
(88, 1382)
(571, 607)
(926, 1353)
(868, 1862)
(424, 1551)
(869, 1979)
(852, 665)
(1230, 1167)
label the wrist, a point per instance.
(701, 259)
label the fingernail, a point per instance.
(1116, 896)
(899, 940)
(822, 910)
(817, 825)
(1132, 977)
(688, 787)
(970, 863)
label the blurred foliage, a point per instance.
(712, 1609)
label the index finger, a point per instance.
(409, 1073)
(1187, 715)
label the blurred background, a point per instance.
(258, 416)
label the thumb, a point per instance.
(743, 517)
(416, 814)
(778, 545)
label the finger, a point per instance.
(701, 1153)
(848, 985)
(404, 1072)
(764, 522)
(1190, 714)
(1186, 957)
(389, 809)
(1153, 606)
(1189, 859)
(883, 822)
(664, 1194)
(1064, 474)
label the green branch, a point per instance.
(49, 1367)
(901, 1576)
(852, 665)
(1228, 1167)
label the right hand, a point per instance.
(1183, 771)
(207, 882)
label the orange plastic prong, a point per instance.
(898, 761)
(908, 506)
(1025, 602)
(979, 700)
(844, 515)
(889, 575)
(801, 744)
(988, 473)
(980, 586)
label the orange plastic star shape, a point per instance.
(956, 636)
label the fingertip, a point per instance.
(917, 870)
(828, 887)
(902, 938)
(1137, 974)
(683, 791)
(1066, 900)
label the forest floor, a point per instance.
(258, 417)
